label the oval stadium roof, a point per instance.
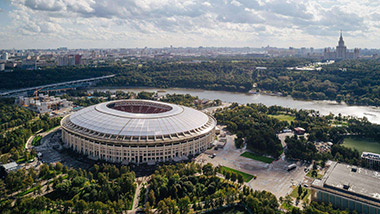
(140, 118)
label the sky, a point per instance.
(26, 24)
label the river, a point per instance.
(324, 107)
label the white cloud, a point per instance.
(109, 23)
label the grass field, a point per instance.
(36, 140)
(230, 210)
(283, 117)
(362, 144)
(246, 177)
(319, 176)
(257, 157)
(294, 193)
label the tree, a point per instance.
(147, 209)
(183, 205)
(300, 190)
(208, 169)
(2, 188)
(233, 176)
(68, 205)
(240, 179)
(81, 206)
(288, 200)
(58, 167)
(151, 197)
(227, 175)
(296, 210)
(162, 208)
(314, 173)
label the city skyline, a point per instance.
(29, 24)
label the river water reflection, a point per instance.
(324, 107)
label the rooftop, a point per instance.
(371, 156)
(140, 118)
(352, 180)
(10, 166)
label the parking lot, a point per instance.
(272, 177)
(52, 151)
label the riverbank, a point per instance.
(324, 107)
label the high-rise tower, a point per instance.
(341, 49)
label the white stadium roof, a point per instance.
(172, 120)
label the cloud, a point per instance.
(186, 22)
(45, 5)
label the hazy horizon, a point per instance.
(48, 24)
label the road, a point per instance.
(210, 110)
(6, 93)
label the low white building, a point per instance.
(44, 103)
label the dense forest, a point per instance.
(253, 127)
(17, 124)
(177, 188)
(81, 98)
(253, 124)
(12, 115)
(217, 74)
(173, 189)
(351, 81)
(104, 188)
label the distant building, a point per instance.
(299, 131)
(372, 159)
(2, 67)
(349, 187)
(44, 104)
(5, 56)
(78, 59)
(71, 60)
(6, 168)
(62, 61)
(341, 52)
(30, 63)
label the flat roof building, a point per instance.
(8, 167)
(372, 159)
(349, 187)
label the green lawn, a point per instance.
(36, 140)
(286, 206)
(257, 157)
(52, 128)
(246, 177)
(283, 117)
(319, 176)
(27, 191)
(294, 193)
(362, 144)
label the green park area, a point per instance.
(230, 210)
(257, 157)
(314, 174)
(362, 144)
(36, 140)
(246, 177)
(283, 117)
(303, 195)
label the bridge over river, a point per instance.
(58, 86)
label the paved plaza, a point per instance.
(272, 177)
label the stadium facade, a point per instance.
(138, 131)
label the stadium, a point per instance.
(138, 131)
